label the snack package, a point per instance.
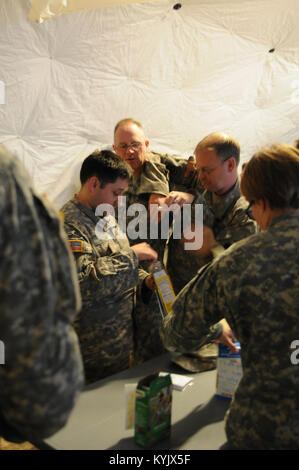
(153, 409)
(229, 371)
(164, 292)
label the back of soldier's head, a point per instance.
(106, 166)
(273, 174)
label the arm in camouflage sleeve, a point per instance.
(194, 315)
(178, 180)
(114, 273)
(154, 179)
(164, 178)
(39, 297)
(164, 173)
(235, 226)
(176, 166)
(145, 292)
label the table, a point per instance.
(98, 419)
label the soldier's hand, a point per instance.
(179, 197)
(144, 251)
(227, 336)
(159, 205)
(154, 205)
(156, 199)
(150, 283)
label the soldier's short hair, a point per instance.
(224, 145)
(273, 174)
(296, 144)
(127, 121)
(106, 166)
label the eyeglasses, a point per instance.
(208, 171)
(248, 210)
(133, 145)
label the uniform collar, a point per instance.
(86, 210)
(288, 218)
(220, 204)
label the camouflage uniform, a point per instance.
(108, 273)
(39, 295)
(226, 216)
(254, 284)
(160, 175)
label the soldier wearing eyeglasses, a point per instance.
(225, 218)
(157, 179)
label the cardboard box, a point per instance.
(153, 409)
(229, 371)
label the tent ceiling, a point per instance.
(210, 65)
(42, 10)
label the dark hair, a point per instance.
(106, 166)
(273, 174)
(224, 145)
(296, 144)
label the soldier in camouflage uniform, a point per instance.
(255, 285)
(155, 178)
(42, 374)
(107, 267)
(224, 209)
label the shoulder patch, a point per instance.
(76, 245)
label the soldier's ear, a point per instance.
(94, 183)
(231, 164)
(146, 143)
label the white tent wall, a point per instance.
(42, 10)
(182, 73)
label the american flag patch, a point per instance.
(76, 246)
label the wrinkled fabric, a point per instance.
(39, 297)
(254, 284)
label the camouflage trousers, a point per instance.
(147, 322)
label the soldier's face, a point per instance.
(131, 145)
(213, 172)
(110, 192)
